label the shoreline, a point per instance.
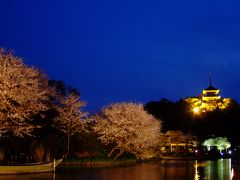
(98, 164)
(119, 163)
(178, 158)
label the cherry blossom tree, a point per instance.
(23, 94)
(128, 127)
(178, 139)
(72, 119)
(175, 137)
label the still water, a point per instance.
(222, 169)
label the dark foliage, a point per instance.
(176, 116)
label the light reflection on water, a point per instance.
(221, 169)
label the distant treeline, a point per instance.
(178, 116)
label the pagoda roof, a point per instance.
(211, 88)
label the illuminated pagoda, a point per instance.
(210, 93)
(209, 100)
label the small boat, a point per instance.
(30, 168)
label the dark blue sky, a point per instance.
(128, 50)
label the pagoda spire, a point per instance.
(210, 78)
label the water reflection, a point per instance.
(41, 176)
(221, 169)
(166, 169)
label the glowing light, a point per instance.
(209, 101)
(229, 152)
(196, 110)
(232, 173)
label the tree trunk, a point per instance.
(137, 156)
(1, 154)
(39, 152)
(119, 154)
(111, 151)
(68, 142)
(47, 155)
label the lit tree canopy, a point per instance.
(23, 94)
(71, 118)
(196, 102)
(175, 137)
(128, 127)
(209, 143)
(220, 142)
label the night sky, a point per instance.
(128, 50)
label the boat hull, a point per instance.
(30, 168)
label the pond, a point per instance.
(222, 169)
